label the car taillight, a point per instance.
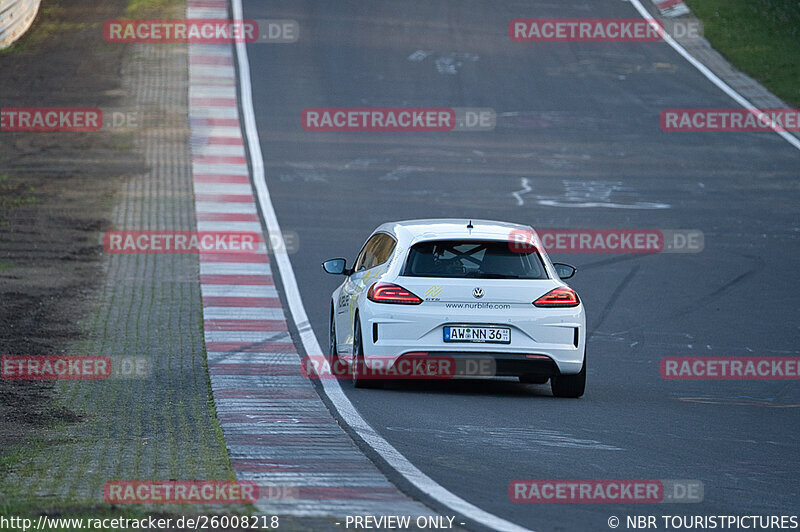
(559, 297)
(391, 293)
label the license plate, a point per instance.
(490, 335)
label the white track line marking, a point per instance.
(234, 268)
(222, 188)
(526, 187)
(738, 98)
(232, 290)
(331, 386)
(225, 207)
(248, 227)
(243, 313)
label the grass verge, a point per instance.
(760, 37)
(13, 196)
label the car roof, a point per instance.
(442, 228)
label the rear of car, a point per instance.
(472, 296)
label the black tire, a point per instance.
(533, 379)
(358, 361)
(339, 368)
(571, 386)
(333, 354)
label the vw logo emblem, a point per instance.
(477, 293)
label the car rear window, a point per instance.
(472, 259)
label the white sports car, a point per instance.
(458, 290)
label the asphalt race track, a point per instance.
(577, 145)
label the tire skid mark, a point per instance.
(612, 301)
(705, 300)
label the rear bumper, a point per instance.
(543, 341)
(493, 364)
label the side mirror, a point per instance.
(335, 267)
(564, 271)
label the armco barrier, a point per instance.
(16, 16)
